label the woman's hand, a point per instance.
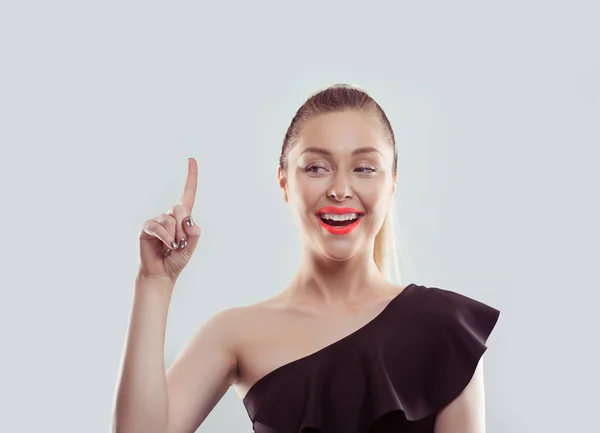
(168, 241)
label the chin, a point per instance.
(339, 250)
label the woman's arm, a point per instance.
(150, 400)
(202, 373)
(141, 401)
(466, 413)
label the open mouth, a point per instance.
(339, 220)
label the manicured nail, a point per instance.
(167, 252)
(189, 222)
(182, 243)
(174, 245)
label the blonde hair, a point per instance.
(386, 251)
(340, 97)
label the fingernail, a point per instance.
(167, 252)
(182, 243)
(189, 222)
(174, 245)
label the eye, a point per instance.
(367, 170)
(313, 168)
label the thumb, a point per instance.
(192, 232)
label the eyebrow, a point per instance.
(357, 151)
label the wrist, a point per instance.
(162, 282)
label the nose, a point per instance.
(340, 189)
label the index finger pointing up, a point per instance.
(189, 191)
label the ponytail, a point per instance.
(385, 250)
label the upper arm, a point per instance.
(202, 373)
(466, 413)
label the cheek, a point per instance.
(374, 195)
(304, 195)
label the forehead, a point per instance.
(339, 131)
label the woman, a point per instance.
(341, 349)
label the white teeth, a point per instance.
(339, 217)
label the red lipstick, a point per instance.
(339, 230)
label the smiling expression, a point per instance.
(339, 181)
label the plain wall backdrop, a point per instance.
(496, 110)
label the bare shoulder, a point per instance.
(247, 324)
(226, 325)
(205, 369)
(237, 325)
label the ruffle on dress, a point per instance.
(401, 368)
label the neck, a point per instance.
(332, 282)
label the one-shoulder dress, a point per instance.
(392, 375)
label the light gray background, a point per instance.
(496, 112)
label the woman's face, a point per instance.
(341, 160)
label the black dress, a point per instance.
(393, 375)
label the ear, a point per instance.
(282, 183)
